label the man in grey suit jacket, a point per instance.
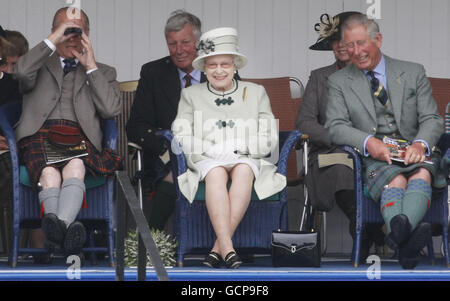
(336, 178)
(378, 97)
(64, 85)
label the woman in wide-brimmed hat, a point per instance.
(228, 132)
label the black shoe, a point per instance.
(54, 229)
(409, 253)
(45, 258)
(400, 231)
(213, 260)
(232, 260)
(75, 238)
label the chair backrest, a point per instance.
(284, 108)
(441, 93)
(127, 93)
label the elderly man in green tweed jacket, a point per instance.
(376, 97)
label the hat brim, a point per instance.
(240, 62)
(325, 44)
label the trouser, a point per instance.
(159, 208)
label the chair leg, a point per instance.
(445, 245)
(431, 251)
(111, 246)
(357, 246)
(13, 252)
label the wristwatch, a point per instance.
(425, 148)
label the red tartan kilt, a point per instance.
(31, 154)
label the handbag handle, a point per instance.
(303, 140)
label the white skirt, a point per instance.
(206, 165)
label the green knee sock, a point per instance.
(416, 201)
(391, 204)
(162, 205)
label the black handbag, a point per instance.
(296, 248)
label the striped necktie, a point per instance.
(377, 89)
(187, 78)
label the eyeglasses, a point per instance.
(224, 65)
(2, 61)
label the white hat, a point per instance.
(223, 40)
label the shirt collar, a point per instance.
(380, 69)
(196, 74)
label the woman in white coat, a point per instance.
(228, 133)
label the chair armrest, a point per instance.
(289, 144)
(9, 115)
(175, 151)
(110, 133)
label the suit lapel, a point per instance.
(54, 67)
(395, 87)
(171, 87)
(360, 86)
(80, 79)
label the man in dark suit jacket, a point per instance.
(155, 107)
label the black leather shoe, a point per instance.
(400, 231)
(409, 253)
(213, 260)
(232, 260)
(54, 229)
(75, 238)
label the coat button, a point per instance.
(372, 174)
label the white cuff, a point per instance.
(50, 45)
(92, 70)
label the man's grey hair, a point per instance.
(179, 18)
(372, 28)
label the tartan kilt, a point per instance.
(377, 174)
(32, 155)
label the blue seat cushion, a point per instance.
(200, 195)
(89, 181)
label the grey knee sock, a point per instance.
(48, 198)
(70, 199)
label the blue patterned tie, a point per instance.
(69, 65)
(377, 89)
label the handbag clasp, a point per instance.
(293, 248)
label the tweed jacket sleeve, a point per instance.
(310, 110)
